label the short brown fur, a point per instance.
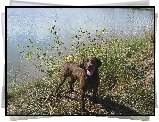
(79, 72)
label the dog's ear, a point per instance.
(99, 63)
(82, 63)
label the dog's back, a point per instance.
(72, 69)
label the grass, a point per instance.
(126, 87)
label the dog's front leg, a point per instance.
(82, 100)
(95, 89)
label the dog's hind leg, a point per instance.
(62, 80)
(71, 84)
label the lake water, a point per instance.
(33, 23)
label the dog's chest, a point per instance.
(91, 81)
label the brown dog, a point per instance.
(86, 73)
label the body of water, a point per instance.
(34, 23)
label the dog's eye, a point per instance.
(93, 62)
(86, 60)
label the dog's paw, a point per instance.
(83, 113)
(70, 91)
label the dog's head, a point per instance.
(90, 64)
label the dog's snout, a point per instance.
(90, 65)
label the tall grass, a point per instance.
(126, 75)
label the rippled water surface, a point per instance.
(33, 23)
